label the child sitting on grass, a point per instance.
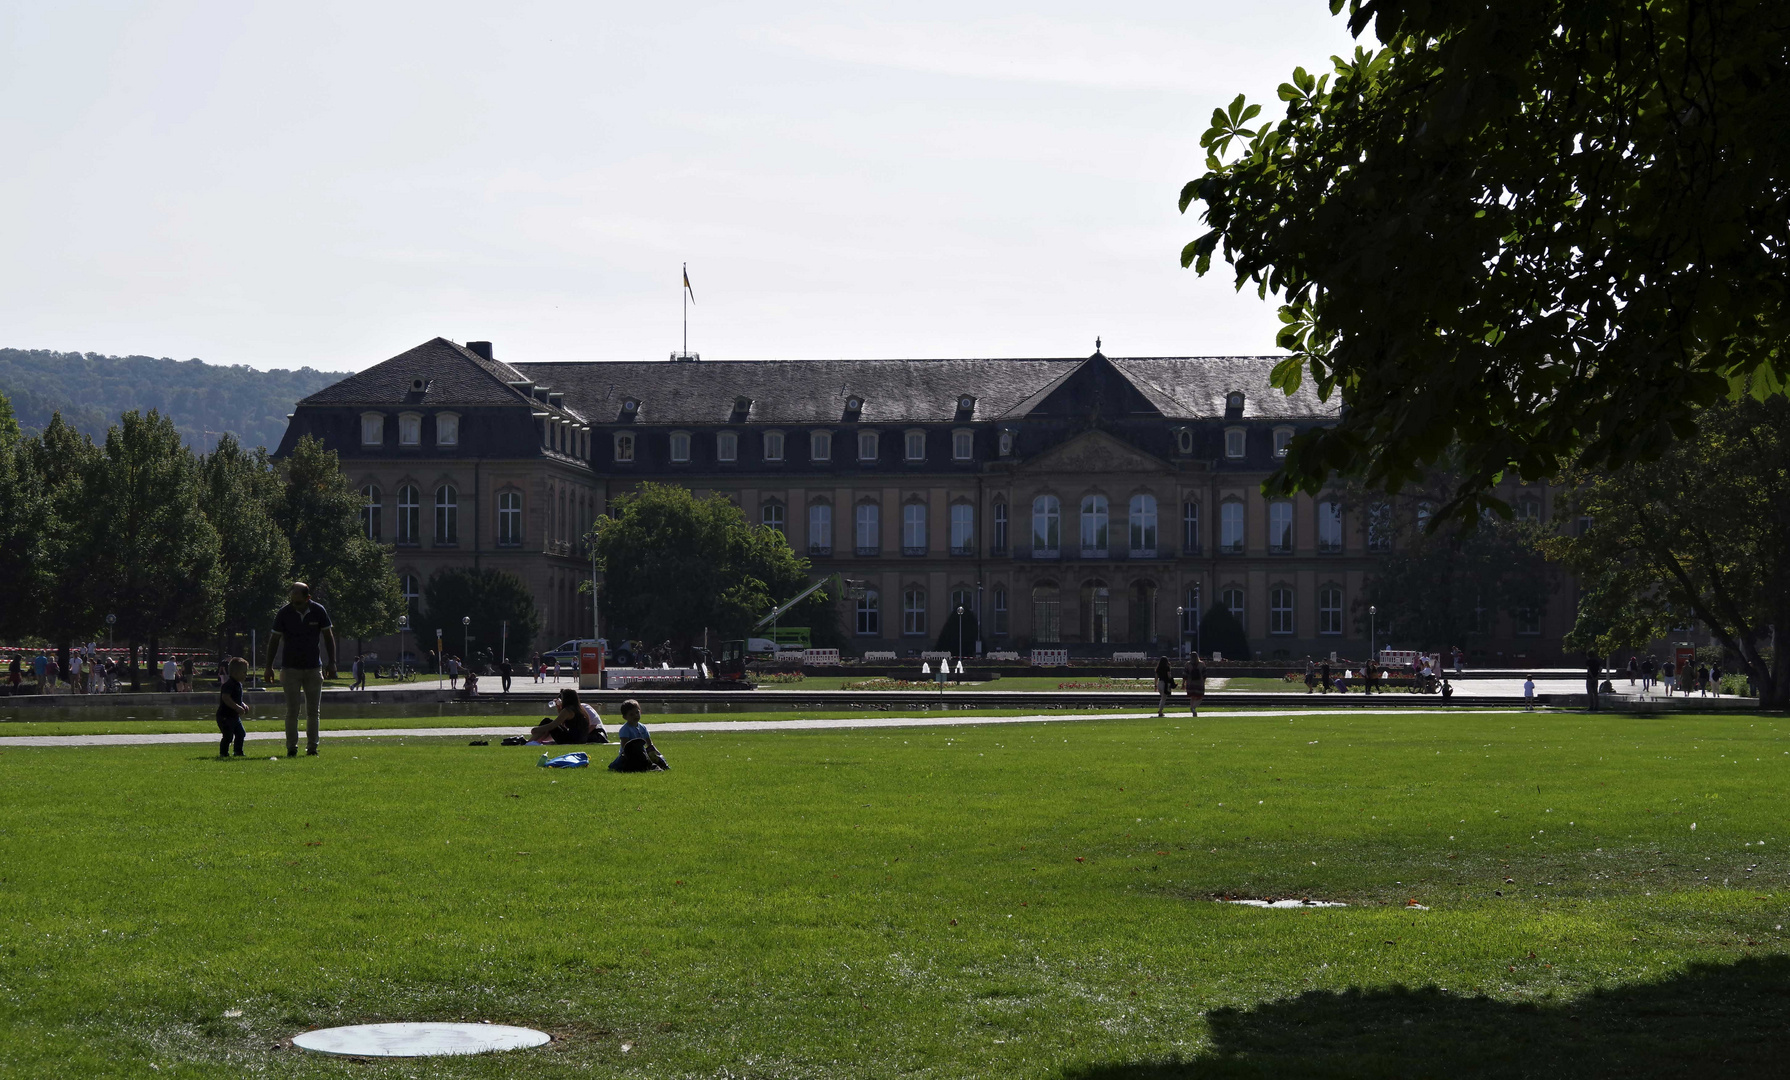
(231, 710)
(638, 754)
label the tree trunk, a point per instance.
(134, 686)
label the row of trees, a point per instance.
(174, 544)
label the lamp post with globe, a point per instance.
(1372, 633)
(403, 625)
(1181, 630)
(465, 643)
(112, 621)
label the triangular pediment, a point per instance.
(1096, 452)
(1093, 389)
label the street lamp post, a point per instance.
(504, 653)
(1181, 632)
(403, 625)
(960, 637)
(981, 616)
(466, 641)
(111, 621)
(440, 660)
(1372, 635)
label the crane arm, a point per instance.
(793, 601)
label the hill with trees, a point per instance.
(202, 400)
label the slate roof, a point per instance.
(903, 391)
(453, 374)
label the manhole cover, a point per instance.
(418, 1040)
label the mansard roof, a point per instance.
(922, 391)
(452, 375)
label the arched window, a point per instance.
(1093, 527)
(772, 515)
(409, 515)
(1280, 609)
(624, 447)
(1047, 527)
(447, 515)
(913, 529)
(1230, 528)
(820, 528)
(870, 621)
(1330, 527)
(1143, 611)
(1000, 528)
(1330, 609)
(1096, 609)
(1280, 527)
(913, 611)
(509, 519)
(1379, 526)
(1143, 526)
(963, 529)
(1190, 528)
(869, 537)
(371, 510)
(1047, 612)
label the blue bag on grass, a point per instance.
(575, 760)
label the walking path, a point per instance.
(674, 728)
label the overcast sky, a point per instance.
(328, 184)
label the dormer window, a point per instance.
(1283, 437)
(866, 446)
(963, 445)
(624, 446)
(1234, 443)
(773, 446)
(916, 446)
(966, 404)
(372, 429)
(1007, 443)
(727, 446)
(410, 429)
(680, 446)
(1234, 402)
(820, 445)
(447, 429)
(630, 407)
(854, 404)
(742, 405)
(1184, 440)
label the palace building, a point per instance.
(1072, 502)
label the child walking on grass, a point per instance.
(231, 710)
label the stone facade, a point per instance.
(1078, 503)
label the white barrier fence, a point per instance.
(879, 656)
(820, 657)
(618, 676)
(1123, 657)
(1003, 655)
(1050, 657)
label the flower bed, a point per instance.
(779, 677)
(889, 684)
(1109, 684)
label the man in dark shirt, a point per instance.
(303, 627)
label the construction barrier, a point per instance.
(1050, 657)
(820, 657)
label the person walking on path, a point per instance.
(1311, 675)
(453, 666)
(1165, 683)
(1529, 694)
(231, 710)
(1634, 668)
(360, 674)
(504, 671)
(1594, 671)
(301, 627)
(74, 672)
(1195, 677)
(1324, 676)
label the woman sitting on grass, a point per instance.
(638, 753)
(575, 722)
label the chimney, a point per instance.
(483, 348)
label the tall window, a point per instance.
(1280, 528)
(372, 429)
(1379, 527)
(1047, 527)
(680, 446)
(820, 529)
(963, 445)
(772, 515)
(870, 620)
(447, 515)
(509, 519)
(1190, 610)
(1000, 528)
(820, 445)
(913, 611)
(370, 512)
(869, 530)
(1280, 610)
(1283, 438)
(1000, 610)
(1093, 525)
(1424, 512)
(916, 446)
(963, 529)
(1143, 611)
(1096, 612)
(1233, 443)
(410, 430)
(866, 446)
(1047, 613)
(412, 590)
(1330, 533)
(1143, 526)
(1230, 528)
(624, 447)
(447, 429)
(1190, 528)
(1232, 598)
(773, 446)
(913, 529)
(1528, 621)
(1529, 509)
(727, 446)
(409, 514)
(1330, 608)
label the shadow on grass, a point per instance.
(1713, 1019)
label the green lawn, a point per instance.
(979, 902)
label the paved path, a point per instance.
(675, 728)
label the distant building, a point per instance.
(1072, 502)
